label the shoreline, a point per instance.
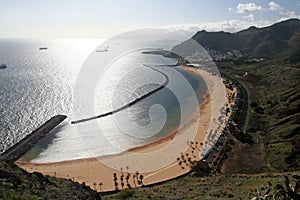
(173, 133)
(101, 169)
(155, 144)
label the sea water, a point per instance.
(38, 84)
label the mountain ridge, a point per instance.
(281, 39)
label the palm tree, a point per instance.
(100, 185)
(127, 177)
(133, 178)
(122, 179)
(137, 175)
(95, 184)
(115, 176)
(141, 179)
(197, 145)
(190, 160)
(116, 186)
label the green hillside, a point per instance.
(274, 110)
(282, 38)
(16, 183)
(233, 187)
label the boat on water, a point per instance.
(102, 50)
(3, 66)
(43, 48)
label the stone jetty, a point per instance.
(19, 149)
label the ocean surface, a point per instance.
(38, 84)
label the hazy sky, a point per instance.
(104, 18)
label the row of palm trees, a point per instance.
(137, 179)
(186, 160)
(100, 186)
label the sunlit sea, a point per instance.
(38, 84)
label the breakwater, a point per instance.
(169, 54)
(129, 104)
(20, 148)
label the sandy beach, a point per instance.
(160, 160)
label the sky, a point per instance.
(105, 18)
